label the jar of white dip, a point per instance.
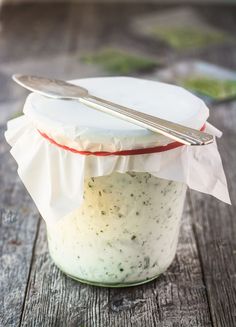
(124, 233)
(112, 193)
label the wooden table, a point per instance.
(199, 287)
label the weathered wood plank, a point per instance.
(38, 34)
(17, 236)
(18, 229)
(215, 228)
(178, 298)
(57, 36)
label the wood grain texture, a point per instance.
(215, 228)
(17, 235)
(199, 287)
(18, 229)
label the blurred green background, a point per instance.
(190, 44)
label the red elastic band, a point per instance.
(155, 149)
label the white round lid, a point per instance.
(73, 124)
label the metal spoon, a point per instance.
(63, 90)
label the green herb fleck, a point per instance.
(131, 174)
(146, 262)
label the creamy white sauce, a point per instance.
(125, 232)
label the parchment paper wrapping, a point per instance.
(54, 176)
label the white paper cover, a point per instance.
(54, 176)
(73, 124)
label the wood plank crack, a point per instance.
(30, 270)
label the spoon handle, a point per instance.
(182, 134)
(63, 90)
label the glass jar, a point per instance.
(125, 233)
(125, 229)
